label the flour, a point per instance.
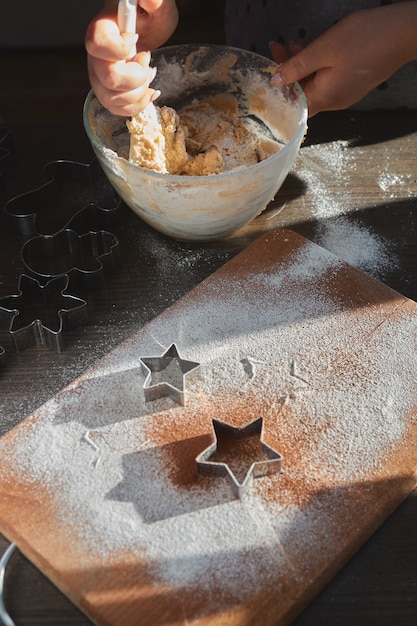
(390, 182)
(337, 158)
(338, 231)
(357, 245)
(334, 384)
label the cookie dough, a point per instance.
(206, 137)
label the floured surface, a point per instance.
(100, 489)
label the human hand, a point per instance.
(119, 80)
(351, 58)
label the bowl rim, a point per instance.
(297, 137)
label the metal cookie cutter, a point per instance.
(6, 148)
(5, 154)
(74, 194)
(38, 314)
(5, 619)
(165, 375)
(228, 448)
(85, 258)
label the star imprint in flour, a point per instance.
(165, 375)
(239, 454)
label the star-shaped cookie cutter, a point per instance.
(270, 462)
(39, 314)
(165, 375)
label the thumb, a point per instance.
(293, 70)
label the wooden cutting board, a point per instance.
(100, 489)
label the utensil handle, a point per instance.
(126, 16)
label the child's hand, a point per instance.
(353, 57)
(119, 80)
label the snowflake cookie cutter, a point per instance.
(269, 463)
(166, 374)
(39, 314)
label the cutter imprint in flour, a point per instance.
(165, 375)
(228, 456)
(39, 314)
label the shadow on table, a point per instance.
(388, 226)
(361, 128)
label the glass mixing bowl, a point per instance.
(215, 206)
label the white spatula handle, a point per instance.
(126, 16)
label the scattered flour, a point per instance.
(333, 382)
(340, 233)
(356, 244)
(389, 182)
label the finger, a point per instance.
(278, 52)
(295, 47)
(104, 41)
(295, 69)
(326, 91)
(143, 58)
(149, 6)
(123, 103)
(121, 76)
(128, 110)
(312, 107)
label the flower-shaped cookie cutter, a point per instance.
(165, 375)
(227, 449)
(39, 314)
(77, 196)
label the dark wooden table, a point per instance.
(353, 190)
